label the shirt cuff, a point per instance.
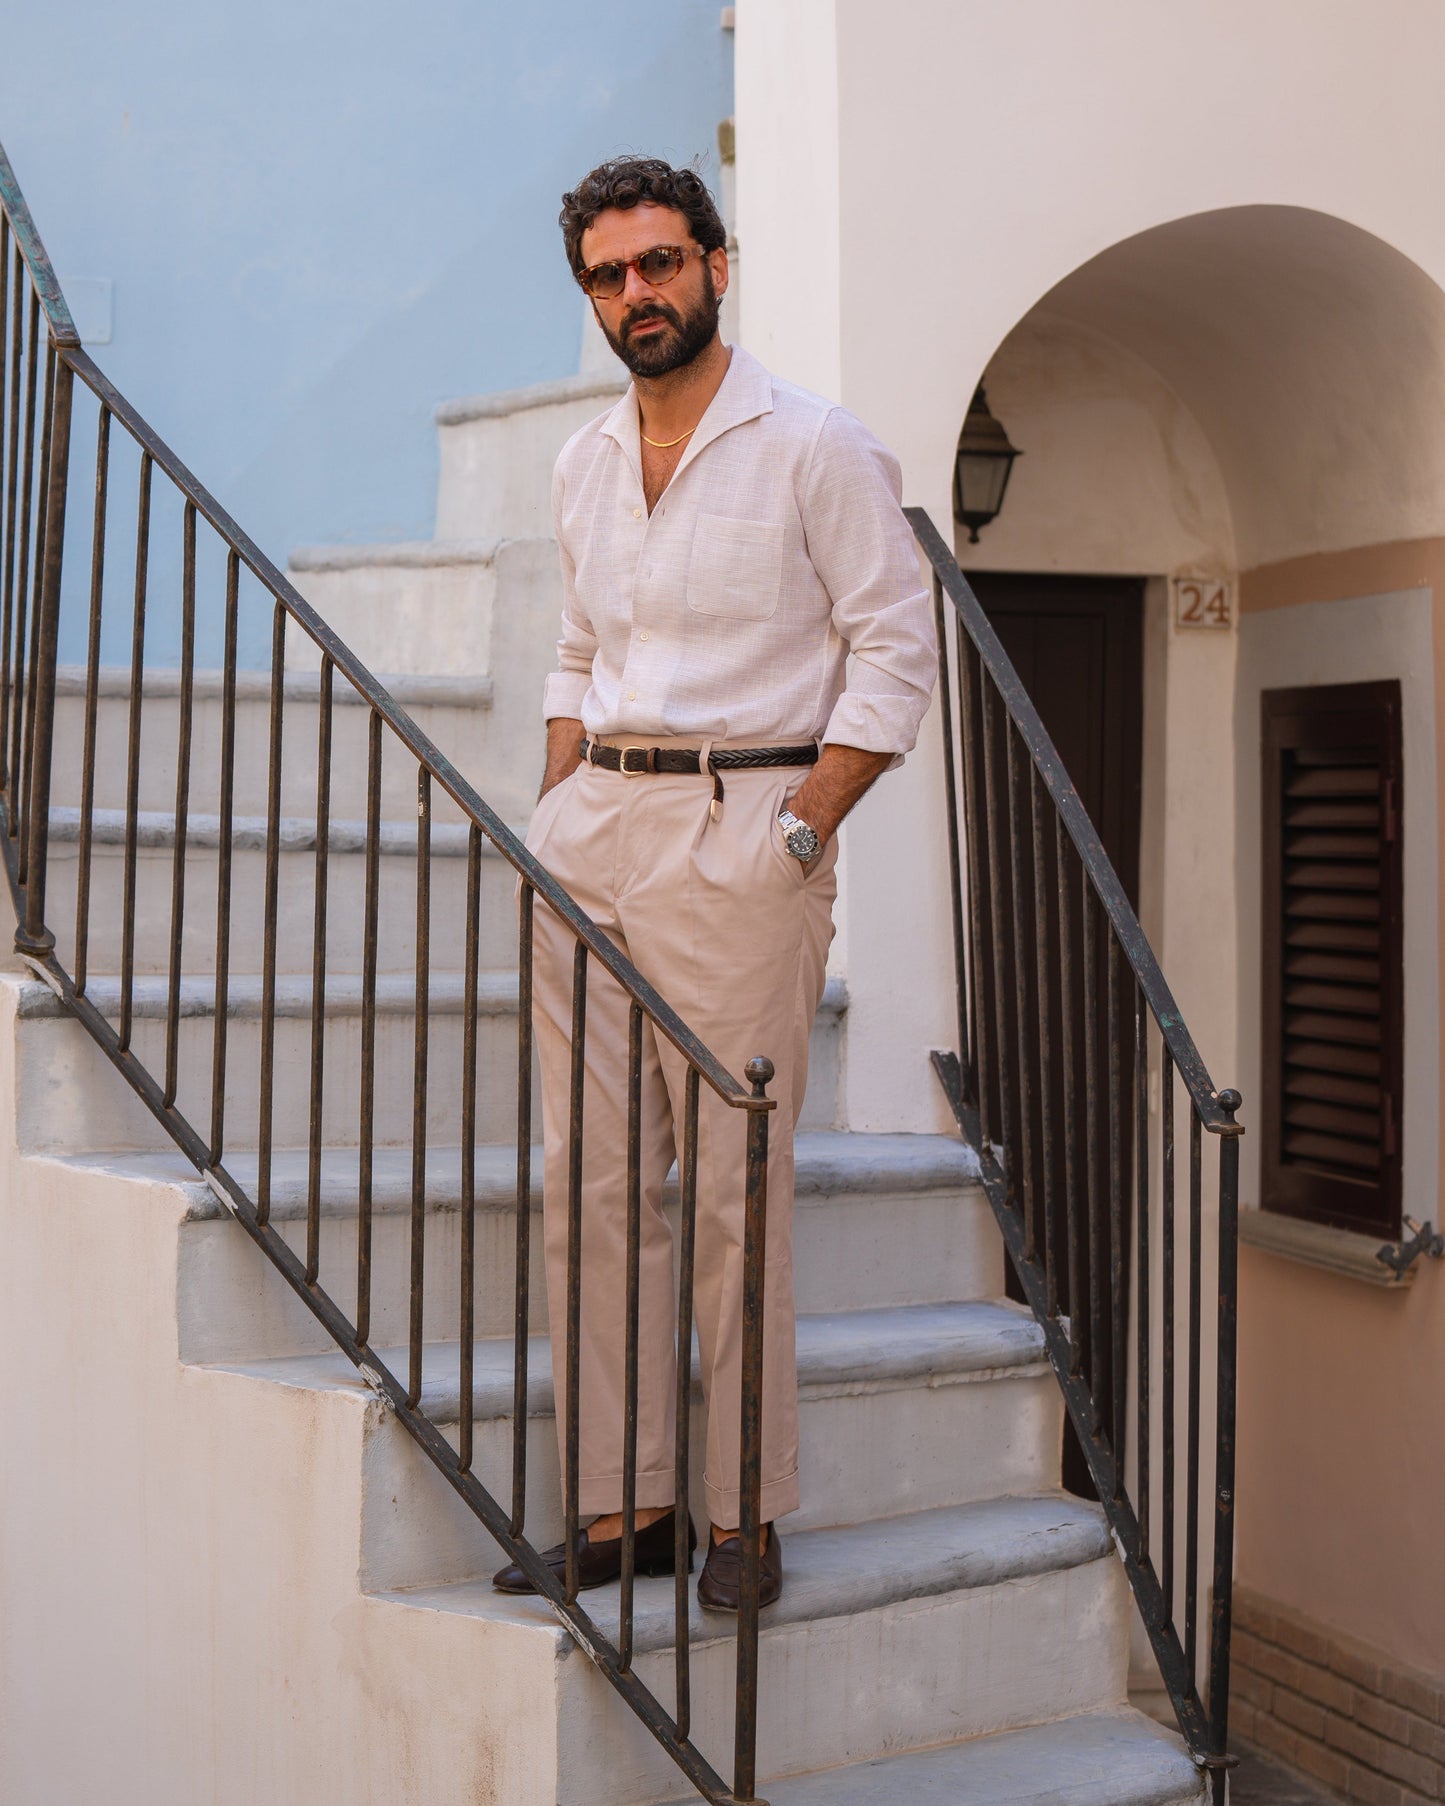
(563, 694)
(881, 724)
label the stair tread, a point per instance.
(1097, 1759)
(156, 829)
(829, 1163)
(497, 994)
(839, 1572)
(446, 689)
(891, 1344)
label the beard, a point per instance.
(688, 334)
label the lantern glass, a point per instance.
(981, 469)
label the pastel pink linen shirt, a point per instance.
(778, 549)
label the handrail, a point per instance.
(418, 743)
(1081, 829)
(42, 274)
(1050, 1083)
(192, 1098)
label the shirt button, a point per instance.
(637, 514)
(632, 696)
(645, 634)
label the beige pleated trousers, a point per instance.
(734, 933)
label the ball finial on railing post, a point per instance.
(760, 1070)
(1229, 1101)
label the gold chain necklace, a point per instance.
(667, 444)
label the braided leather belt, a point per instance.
(636, 761)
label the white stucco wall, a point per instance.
(913, 180)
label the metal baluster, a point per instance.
(1224, 1512)
(36, 936)
(955, 875)
(132, 758)
(273, 882)
(367, 1123)
(1092, 1151)
(759, 1072)
(631, 1328)
(7, 483)
(1042, 944)
(996, 926)
(466, 1323)
(419, 1079)
(22, 581)
(682, 1557)
(42, 507)
(12, 491)
(1141, 1243)
(320, 898)
(1021, 1000)
(980, 877)
(1191, 1453)
(92, 698)
(572, 1436)
(183, 798)
(1118, 1247)
(226, 805)
(522, 1323)
(1166, 1081)
(1074, 1239)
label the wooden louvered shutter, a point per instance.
(1333, 966)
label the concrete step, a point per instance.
(451, 709)
(409, 607)
(346, 892)
(879, 1219)
(497, 453)
(890, 1636)
(69, 1102)
(1115, 1758)
(901, 1409)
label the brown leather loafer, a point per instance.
(722, 1573)
(597, 1563)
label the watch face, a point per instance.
(801, 840)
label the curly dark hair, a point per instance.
(625, 181)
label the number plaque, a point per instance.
(1203, 602)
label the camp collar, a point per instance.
(745, 393)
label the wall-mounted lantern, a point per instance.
(980, 468)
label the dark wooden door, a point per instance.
(1078, 646)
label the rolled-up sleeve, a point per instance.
(864, 552)
(564, 689)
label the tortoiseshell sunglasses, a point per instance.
(606, 281)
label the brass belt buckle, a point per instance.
(646, 757)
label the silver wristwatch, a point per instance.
(800, 840)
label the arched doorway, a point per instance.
(1257, 396)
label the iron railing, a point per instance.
(195, 569)
(1067, 1038)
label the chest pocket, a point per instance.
(736, 569)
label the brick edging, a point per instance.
(1335, 1708)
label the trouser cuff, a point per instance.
(779, 1497)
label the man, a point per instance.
(727, 542)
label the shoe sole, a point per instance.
(591, 1586)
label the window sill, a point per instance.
(1340, 1251)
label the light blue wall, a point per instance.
(321, 218)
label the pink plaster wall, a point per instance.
(1342, 1385)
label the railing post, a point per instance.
(759, 1071)
(32, 936)
(1221, 1616)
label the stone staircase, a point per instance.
(268, 1593)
